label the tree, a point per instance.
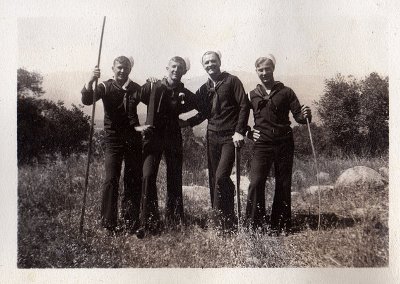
(355, 114)
(302, 143)
(374, 117)
(194, 151)
(29, 83)
(45, 127)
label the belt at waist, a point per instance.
(276, 133)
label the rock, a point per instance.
(194, 188)
(295, 193)
(298, 179)
(384, 171)
(270, 182)
(78, 180)
(324, 178)
(298, 176)
(360, 176)
(244, 182)
(314, 188)
(358, 212)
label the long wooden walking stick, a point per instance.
(316, 169)
(90, 137)
(237, 159)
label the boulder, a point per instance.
(244, 182)
(78, 180)
(359, 212)
(360, 176)
(270, 183)
(194, 188)
(298, 179)
(324, 178)
(384, 171)
(314, 188)
(295, 193)
(298, 175)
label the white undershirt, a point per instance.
(268, 91)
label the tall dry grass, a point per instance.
(354, 230)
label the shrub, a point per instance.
(43, 127)
(355, 114)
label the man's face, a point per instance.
(265, 71)
(211, 64)
(175, 70)
(121, 71)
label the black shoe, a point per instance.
(131, 228)
(140, 233)
(154, 230)
(279, 232)
(113, 231)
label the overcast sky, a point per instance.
(306, 37)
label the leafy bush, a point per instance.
(194, 150)
(302, 141)
(355, 114)
(44, 127)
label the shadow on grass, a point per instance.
(300, 221)
(202, 220)
(303, 221)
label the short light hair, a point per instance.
(123, 60)
(180, 60)
(261, 60)
(211, 52)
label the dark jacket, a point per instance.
(168, 104)
(226, 105)
(271, 112)
(120, 107)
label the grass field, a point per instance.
(354, 227)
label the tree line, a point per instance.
(46, 128)
(353, 120)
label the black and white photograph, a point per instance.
(200, 141)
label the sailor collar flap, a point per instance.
(211, 89)
(125, 87)
(162, 87)
(178, 87)
(260, 92)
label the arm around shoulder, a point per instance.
(144, 94)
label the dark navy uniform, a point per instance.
(123, 143)
(226, 107)
(275, 146)
(165, 139)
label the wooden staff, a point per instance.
(237, 159)
(316, 169)
(91, 136)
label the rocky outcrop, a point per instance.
(360, 176)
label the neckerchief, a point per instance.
(124, 89)
(212, 93)
(267, 99)
(174, 90)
